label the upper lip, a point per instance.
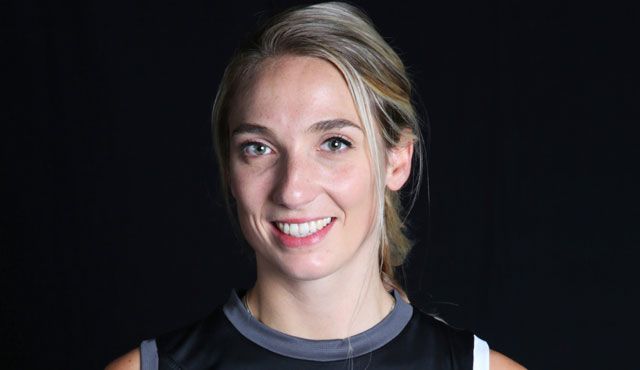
(299, 220)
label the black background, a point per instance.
(112, 227)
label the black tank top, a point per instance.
(230, 338)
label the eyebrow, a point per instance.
(250, 128)
(332, 124)
(321, 126)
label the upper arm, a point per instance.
(498, 361)
(129, 361)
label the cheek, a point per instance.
(246, 190)
(350, 184)
(248, 204)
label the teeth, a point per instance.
(303, 229)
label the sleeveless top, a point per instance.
(231, 338)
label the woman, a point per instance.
(315, 135)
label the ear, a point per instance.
(399, 164)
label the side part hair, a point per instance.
(344, 36)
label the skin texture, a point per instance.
(128, 361)
(331, 289)
(289, 170)
(498, 361)
(299, 176)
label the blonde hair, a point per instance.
(344, 36)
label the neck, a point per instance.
(333, 307)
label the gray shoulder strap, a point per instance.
(148, 355)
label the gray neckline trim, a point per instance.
(318, 350)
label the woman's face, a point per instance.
(300, 171)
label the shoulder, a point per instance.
(202, 344)
(433, 325)
(498, 361)
(438, 341)
(178, 345)
(128, 361)
(210, 329)
(458, 340)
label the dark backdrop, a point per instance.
(112, 229)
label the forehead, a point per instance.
(294, 91)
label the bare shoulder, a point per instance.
(128, 361)
(498, 361)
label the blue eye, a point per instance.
(255, 149)
(336, 144)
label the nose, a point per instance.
(295, 185)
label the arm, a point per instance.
(498, 361)
(129, 361)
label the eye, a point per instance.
(336, 144)
(255, 149)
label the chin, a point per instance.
(307, 270)
(304, 268)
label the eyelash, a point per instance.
(340, 139)
(348, 144)
(245, 146)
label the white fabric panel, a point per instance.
(480, 354)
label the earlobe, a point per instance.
(399, 165)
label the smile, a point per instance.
(300, 233)
(301, 230)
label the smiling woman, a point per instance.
(307, 169)
(315, 135)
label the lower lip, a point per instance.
(293, 242)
